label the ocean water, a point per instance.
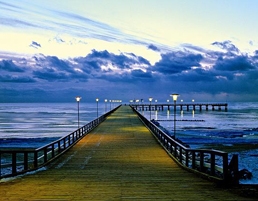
(208, 129)
(36, 124)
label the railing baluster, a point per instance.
(180, 154)
(201, 161)
(0, 164)
(53, 150)
(25, 161)
(14, 163)
(45, 154)
(225, 166)
(212, 164)
(35, 159)
(186, 158)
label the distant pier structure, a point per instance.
(182, 106)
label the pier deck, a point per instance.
(118, 160)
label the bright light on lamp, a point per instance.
(174, 96)
(78, 98)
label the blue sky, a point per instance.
(52, 51)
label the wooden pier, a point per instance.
(182, 106)
(118, 160)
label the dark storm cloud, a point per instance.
(196, 75)
(227, 45)
(140, 74)
(176, 62)
(50, 74)
(98, 58)
(51, 68)
(238, 63)
(16, 79)
(8, 65)
(54, 61)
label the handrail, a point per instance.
(212, 164)
(21, 160)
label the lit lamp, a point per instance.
(150, 99)
(97, 100)
(174, 96)
(78, 98)
(105, 105)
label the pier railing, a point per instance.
(21, 160)
(212, 164)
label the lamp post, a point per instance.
(97, 100)
(105, 105)
(174, 96)
(78, 98)
(150, 99)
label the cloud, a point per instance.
(176, 62)
(8, 65)
(97, 59)
(227, 45)
(191, 70)
(35, 45)
(53, 69)
(153, 47)
(238, 63)
(16, 79)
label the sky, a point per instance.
(52, 50)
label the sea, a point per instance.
(32, 125)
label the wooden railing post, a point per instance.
(14, 163)
(35, 159)
(45, 154)
(53, 150)
(186, 158)
(225, 166)
(201, 161)
(180, 155)
(0, 164)
(212, 164)
(25, 161)
(193, 160)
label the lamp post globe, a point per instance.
(78, 98)
(150, 99)
(97, 100)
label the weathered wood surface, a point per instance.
(118, 160)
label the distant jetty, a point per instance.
(182, 106)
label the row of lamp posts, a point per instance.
(78, 98)
(174, 96)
